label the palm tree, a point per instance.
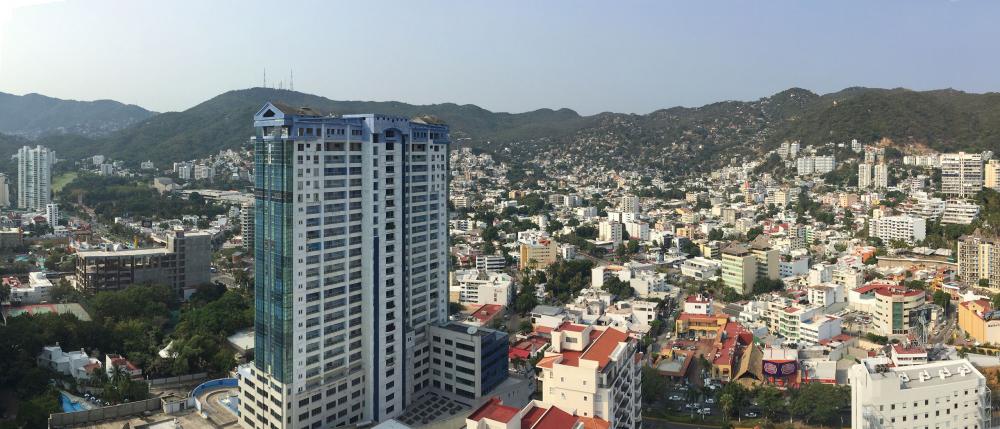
(726, 402)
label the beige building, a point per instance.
(991, 174)
(768, 259)
(979, 259)
(739, 268)
(961, 174)
(538, 254)
(893, 305)
(595, 371)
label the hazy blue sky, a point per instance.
(513, 56)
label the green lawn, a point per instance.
(62, 180)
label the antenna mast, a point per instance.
(265, 77)
(291, 80)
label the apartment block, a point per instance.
(351, 262)
(739, 268)
(34, 177)
(909, 229)
(538, 253)
(478, 287)
(979, 259)
(942, 394)
(466, 361)
(961, 174)
(595, 371)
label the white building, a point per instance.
(52, 214)
(76, 364)
(490, 263)
(481, 287)
(630, 204)
(942, 394)
(880, 178)
(638, 230)
(356, 268)
(700, 268)
(961, 174)
(594, 371)
(34, 177)
(107, 169)
(610, 230)
(906, 228)
(864, 175)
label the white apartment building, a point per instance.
(794, 267)
(880, 176)
(942, 394)
(808, 165)
(864, 175)
(906, 228)
(593, 370)
(475, 287)
(610, 230)
(961, 174)
(52, 214)
(351, 260)
(700, 268)
(490, 262)
(630, 204)
(34, 177)
(638, 230)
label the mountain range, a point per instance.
(35, 115)
(674, 138)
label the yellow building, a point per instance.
(703, 325)
(538, 254)
(978, 319)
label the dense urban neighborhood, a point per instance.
(305, 223)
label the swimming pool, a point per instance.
(68, 405)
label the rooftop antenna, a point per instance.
(265, 77)
(291, 80)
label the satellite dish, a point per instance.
(472, 330)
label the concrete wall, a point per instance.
(113, 412)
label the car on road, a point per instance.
(675, 398)
(705, 411)
(750, 415)
(710, 401)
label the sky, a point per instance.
(515, 56)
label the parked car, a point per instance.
(751, 415)
(710, 401)
(705, 411)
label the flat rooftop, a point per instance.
(935, 374)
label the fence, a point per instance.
(180, 379)
(113, 412)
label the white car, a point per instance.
(710, 401)
(705, 411)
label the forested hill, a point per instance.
(35, 115)
(675, 138)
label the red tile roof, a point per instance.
(593, 423)
(487, 312)
(555, 419)
(494, 410)
(600, 349)
(572, 327)
(532, 416)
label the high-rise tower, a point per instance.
(34, 177)
(350, 247)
